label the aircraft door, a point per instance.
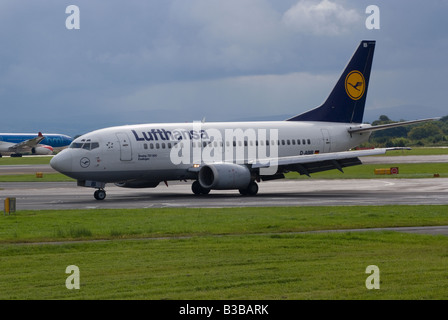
(326, 140)
(125, 146)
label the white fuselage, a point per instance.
(163, 152)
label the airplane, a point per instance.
(231, 155)
(18, 144)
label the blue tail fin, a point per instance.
(347, 100)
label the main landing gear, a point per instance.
(251, 190)
(100, 194)
(198, 189)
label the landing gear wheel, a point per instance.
(198, 189)
(251, 190)
(100, 194)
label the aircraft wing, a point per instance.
(306, 164)
(27, 144)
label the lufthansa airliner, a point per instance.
(231, 155)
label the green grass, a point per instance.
(317, 266)
(56, 225)
(233, 253)
(25, 160)
(47, 177)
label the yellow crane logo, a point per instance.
(355, 85)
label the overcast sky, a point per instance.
(182, 60)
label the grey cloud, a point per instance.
(165, 60)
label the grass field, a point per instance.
(25, 160)
(235, 253)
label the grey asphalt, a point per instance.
(310, 192)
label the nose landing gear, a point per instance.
(100, 194)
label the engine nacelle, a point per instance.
(137, 184)
(223, 176)
(42, 150)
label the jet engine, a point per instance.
(224, 176)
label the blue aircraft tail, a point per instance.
(347, 100)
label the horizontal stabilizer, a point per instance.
(363, 128)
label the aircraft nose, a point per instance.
(62, 162)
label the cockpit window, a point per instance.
(85, 144)
(76, 145)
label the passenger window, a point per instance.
(303, 141)
(288, 142)
(157, 146)
(298, 142)
(309, 141)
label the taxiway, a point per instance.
(312, 192)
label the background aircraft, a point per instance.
(17, 144)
